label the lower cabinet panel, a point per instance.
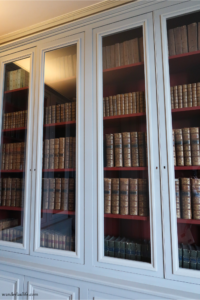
(11, 285)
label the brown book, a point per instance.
(179, 147)
(53, 114)
(122, 104)
(117, 55)
(124, 196)
(143, 199)
(141, 48)
(126, 104)
(126, 52)
(141, 102)
(71, 155)
(138, 101)
(64, 193)
(57, 204)
(195, 147)
(62, 113)
(46, 154)
(187, 147)
(104, 58)
(45, 193)
(184, 39)
(7, 147)
(134, 97)
(180, 96)
(109, 150)
(178, 204)
(107, 107)
(3, 156)
(172, 97)
(73, 108)
(195, 184)
(52, 184)
(66, 152)
(56, 153)
(118, 104)
(186, 202)
(194, 94)
(126, 137)
(49, 115)
(171, 42)
(110, 106)
(107, 195)
(8, 191)
(58, 113)
(135, 46)
(114, 103)
(70, 111)
(19, 156)
(134, 150)
(130, 103)
(178, 41)
(112, 56)
(108, 57)
(10, 162)
(133, 197)
(51, 154)
(121, 48)
(71, 194)
(118, 149)
(66, 112)
(141, 149)
(192, 37)
(18, 192)
(115, 195)
(185, 102)
(189, 95)
(4, 184)
(61, 164)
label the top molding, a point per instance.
(63, 19)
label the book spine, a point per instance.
(117, 55)
(112, 56)
(179, 147)
(180, 96)
(195, 183)
(184, 39)
(52, 184)
(51, 153)
(122, 104)
(126, 139)
(186, 198)
(62, 113)
(70, 111)
(57, 204)
(136, 50)
(175, 96)
(109, 150)
(124, 196)
(134, 97)
(4, 184)
(178, 41)
(104, 107)
(104, 58)
(58, 113)
(126, 53)
(107, 107)
(46, 154)
(73, 108)
(141, 47)
(143, 201)
(3, 158)
(138, 101)
(49, 115)
(198, 92)
(66, 152)
(56, 153)
(66, 112)
(121, 48)
(118, 105)
(8, 191)
(189, 95)
(108, 57)
(114, 103)
(187, 147)
(171, 42)
(45, 193)
(134, 150)
(61, 153)
(194, 94)
(115, 196)
(133, 209)
(130, 103)
(141, 149)
(53, 114)
(141, 102)
(126, 104)
(7, 157)
(195, 148)
(178, 204)
(71, 194)
(118, 149)
(110, 106)
(185, 100)
(130, 50)
(71, 152)
(64, 193)
(192, 37)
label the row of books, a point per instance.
(64, 65)
(15, 119)
(8, 223)
(187, 198)
(189, 256)
(58, 193)
(186, 95)
(12, 192)
(17, 79)
(14, 234)
(56, 240)
(124, 104)
(13, 156)
(186, 146)
(126, 196)
(122, 247)
(125, 53)
(127, 149)
(59, 153)
(60, 113)
(184, 39)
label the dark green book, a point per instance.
(180, 255)
(198, 257)
(193, 257)
(138, 248)
(186, 256)
(123, 248)
(106, 245)
(117, 247)
(111, 246)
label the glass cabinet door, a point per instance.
(184, 62)
(15, 107)
(57, 226)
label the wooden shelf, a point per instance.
(125, 116)
(58, 170)
(58, 211)
(11, 208)
(61, 124)
(126, 217)
(187, 168)
(126, 169)
(184, 61)
(186, 221)
(14, 129)
(133, 71)
(186, 109)
(16, 90)
(12, 171)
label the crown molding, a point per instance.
(63, 19)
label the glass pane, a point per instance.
(126, 199)
(59, 150)
(13, 150)
(184, 63)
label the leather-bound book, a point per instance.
(64, 193)
(109, 150)
(194, 94)
(126, 104)
(117, 55)
(122, 104)
(134, 97)
(134, 150)
(192, 37)
(185, 101)
(52, 185)
(195, 184)
(141, 48)
(143, 199)
(104, 58)
(141, 149)
(195, 147)
(45, 193)
(51, 153)
(198, 93)
(57, 204)
(124, 196)
(178, 204)
(118, 150)
(71, 194)
(179, 147)
(171, 42)
(187, 147)
(67, 152)
(184, 39)
(56, 153)
(180, 96)
(107, 107)
(108, 57)
(118, 105)
(121, 48)
(126, 141)
(114, 103)
(130, 103)
(186, 202)
(112, 56)
(61, 163)
(110, 106)
(178, 41)
(133, 197)
(107, 195)
(115, 196)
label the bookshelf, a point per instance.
(2, 208)
(57, 211)
(17, 90)
(59, 170)
(123, 217)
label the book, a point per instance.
(71, 155)
(64, 193)
(126, 140)
(178, 41)
(126, 104)
(133, 201)
(171, 42)
(192, 37)
(130, 103)
(51, 193)
(112, 56)
(126, 52)
(194, 94)
(57, 204)
(135, 46)
(107, 106)
(189, 95)
(124, 196)
(187, 147)
(104, 58)
(61, 162)
(141, 47)
(56, 153)
(122, 104)
(121, 49)
(45, 193)
(134, 150)
(143, 201)
(141, 149)
(110, 106)
(179, 147)
(195, 147)
(109, 150)
(180, 96)
(67, 142)
(178, 204)
(108, 57)
(57, 113)
(175, 96)
(184, 39)
(46, 154)
(195, 185)
(185, 102)
(117, 55)
(198, 93)
(114, 103)
(71, 198)
(118, 104)
(186, 198)
(134, 103)
(118, 150)
(51, 153)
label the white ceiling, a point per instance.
(15, 15)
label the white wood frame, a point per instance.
(156, 266)
(78, 255)
(4, 245)
(169, 221)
